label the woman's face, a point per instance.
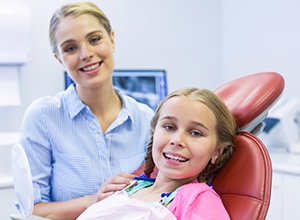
(184, 140)
(85, 50)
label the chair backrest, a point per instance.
(245, 183)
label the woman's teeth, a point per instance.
(89, 68)
(177, 158)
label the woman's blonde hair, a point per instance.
(225, 128)
(75, 9)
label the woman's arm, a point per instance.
(71, 209)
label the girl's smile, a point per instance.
(184, 141)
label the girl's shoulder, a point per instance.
(195, 188)
(198, 201)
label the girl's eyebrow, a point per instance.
(193, 122)
(200, 124)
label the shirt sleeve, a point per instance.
(195, 202)
(34, 139)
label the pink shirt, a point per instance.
(198, 201)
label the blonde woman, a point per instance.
(83, 142)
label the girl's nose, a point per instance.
(178, 139)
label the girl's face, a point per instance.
(85, 50)
(184, 140)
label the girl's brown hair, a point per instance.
(225, 128)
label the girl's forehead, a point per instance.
(181, 105)
(181, 101)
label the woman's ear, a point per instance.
(112, 38)
(57, 57)
(218, 152)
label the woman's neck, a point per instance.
(103, 102)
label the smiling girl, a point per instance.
(192, 137)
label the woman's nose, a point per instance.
(178, 139)
(86, 52)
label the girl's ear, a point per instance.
(218, 152)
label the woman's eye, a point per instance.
(69, 49)
(94, 40)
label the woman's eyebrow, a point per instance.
(87, 36)
(66, 42)
(93, 32)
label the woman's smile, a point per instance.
(91, 69)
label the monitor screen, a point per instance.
(146, 86)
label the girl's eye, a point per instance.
(196, 133)
(71, 48)
(169, 127)
(94, 40)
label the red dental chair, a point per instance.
(244, 185)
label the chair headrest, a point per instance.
(250, 97)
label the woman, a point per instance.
(82, 142)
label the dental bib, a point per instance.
(120, 206)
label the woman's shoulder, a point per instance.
(46, 103)
(134, 106)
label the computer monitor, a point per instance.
(146, 86)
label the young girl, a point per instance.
(81, 141)
(192, 137)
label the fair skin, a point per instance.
(85, 50)
(184, 143)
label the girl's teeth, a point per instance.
(176, 158)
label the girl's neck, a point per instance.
(166, 185)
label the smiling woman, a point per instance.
(79, 141)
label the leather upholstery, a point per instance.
(245, 183)
(250, 97)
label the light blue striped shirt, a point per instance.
(69, 155)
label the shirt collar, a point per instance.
(76, 105)
(73, 101)
(126, 111)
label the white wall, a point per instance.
(262, 35)
(182, 37)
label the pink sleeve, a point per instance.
(198, 201)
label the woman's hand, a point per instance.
(111, 185)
